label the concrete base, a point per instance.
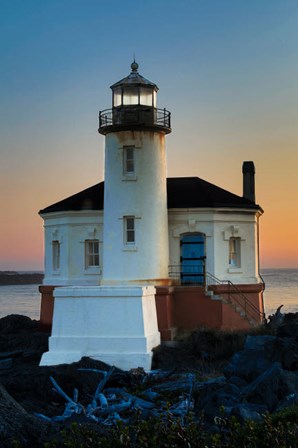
(116, 325)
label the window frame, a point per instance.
(129, 159)
(56, 255)
(92, 253)
(129, 230)
(235, 252)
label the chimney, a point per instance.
(248, 170)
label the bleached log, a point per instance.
(136, 400)
(121, 407)
(60, 391)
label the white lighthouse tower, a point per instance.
(135, 198)
(116, 322)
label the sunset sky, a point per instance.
(226, 69)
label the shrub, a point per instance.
(279, 430)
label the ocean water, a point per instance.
(20, 299)
(281, 289)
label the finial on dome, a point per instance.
(134, 66)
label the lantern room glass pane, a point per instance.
(117, 97)
(146, 97)
(154, 98)
(130, 96)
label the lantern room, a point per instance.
(134, 106)
(134, 90)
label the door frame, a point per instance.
(196, 275)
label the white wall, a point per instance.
(143, 196)
(218, 226)
(71, 229)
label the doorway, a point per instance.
(192, 259)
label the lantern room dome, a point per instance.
(134, 79)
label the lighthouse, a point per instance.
(116, 322)
(135, 237)
(134, 259)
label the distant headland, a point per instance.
(20, 278)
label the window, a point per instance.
(146, 96)
(129, 230)
(91, 253)
(128, 160)
(117, 97)
(56, 255)
(130, 95)
(234, 252)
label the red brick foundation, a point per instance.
(184, 308)
(46, 307)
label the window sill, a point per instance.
(130, 248)
(128, 177)
(93, 270)
(56, 273)
(234, 270)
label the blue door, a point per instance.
(192, 259)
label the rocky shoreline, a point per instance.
(209, 374)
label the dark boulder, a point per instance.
(214, 396)
(16, 424)
(273, 386)
(247, 365)
(288, 330)
(249, 411)
(258, 355)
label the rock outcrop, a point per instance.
(192, 376)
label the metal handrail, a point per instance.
(189, 275)
(207, 280)
(249, 309)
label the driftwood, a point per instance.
(276, 319)
(109, 405)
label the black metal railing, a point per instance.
(195, 275)
(187, 274)
(105, 118)
(135, 116)
(236, 298)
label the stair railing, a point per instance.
(188, 276)
(236, 297)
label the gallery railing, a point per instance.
(135, 116)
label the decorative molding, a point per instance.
(135, 141)
(192, 226)
(234, 232)
(56, 235)
(91, 232)
(135, 213)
